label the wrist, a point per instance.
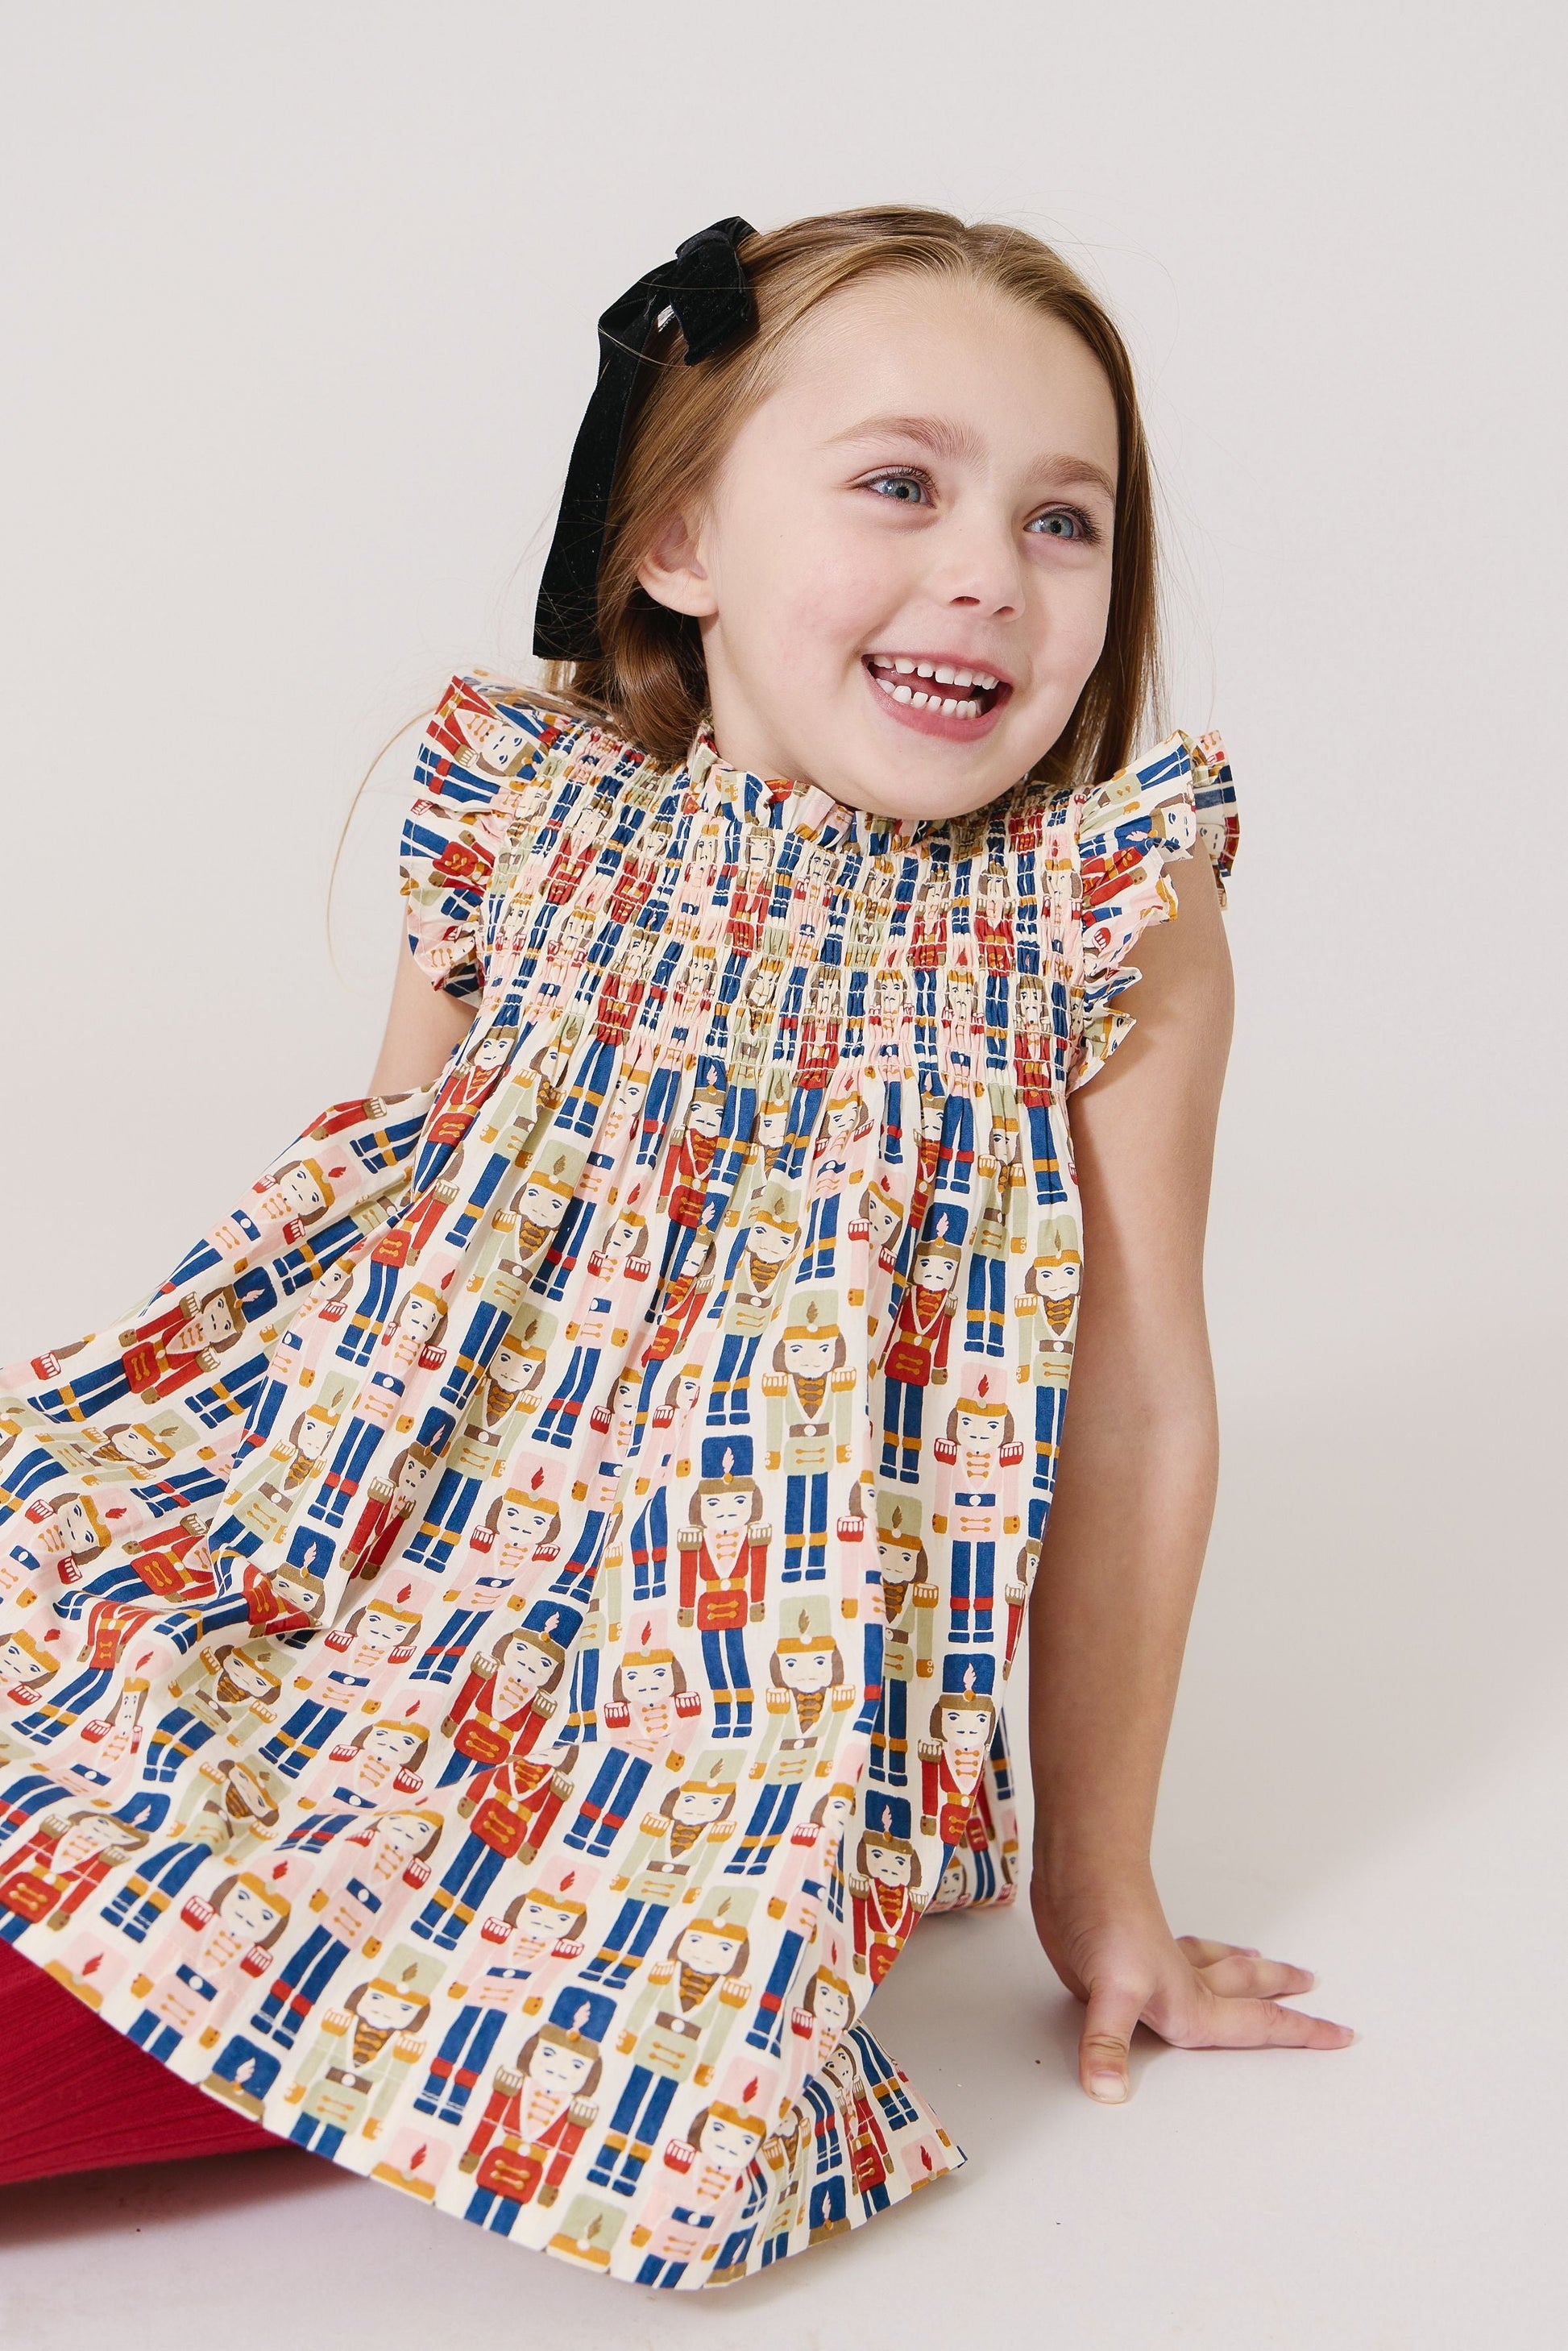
(1088, 1867)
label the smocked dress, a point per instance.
(500, 1649)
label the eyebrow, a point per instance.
(946, 439)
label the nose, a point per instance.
(979, 566)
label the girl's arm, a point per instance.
(422, 1026)
(1128, 1525)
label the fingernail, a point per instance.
(1112, 2088)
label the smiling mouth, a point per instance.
(947, 689)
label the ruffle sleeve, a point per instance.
(482, 744)
(1128, 830)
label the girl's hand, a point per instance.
(1115, 1951)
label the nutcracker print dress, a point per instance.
(500, 1650)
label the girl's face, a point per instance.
(931, 481)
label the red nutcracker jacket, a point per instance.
(920, 1337)
(928, 940)
(266, 1612)
(162, 1567)
(869, 2159)
(567, 869)
(552, 2149)
(884, 1922)
(150, 1363)
(633, 888)
(995, 939)
(722, 1598)
(683, 1190)
(459, 1102)
(487, 1738)
(32, 1887)
(1033, 1056)
(522, 1801)
(746, 910)
(946, 1806)
(376, 1529)
(821, 1046)
(620, 1001)
(683, 1304)
(111, 1626)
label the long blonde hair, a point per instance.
(648, 684)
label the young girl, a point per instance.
(504, 1645)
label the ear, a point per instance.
(673, 572)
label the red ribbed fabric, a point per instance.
(77, 2095)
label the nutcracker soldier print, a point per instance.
(391, 1852)
(524, 1951)
(724, 1575)
(373, 2040)
(675, 2030)
(668, 1862)
(647, 1722)
(808, 1707)
(705, 2180)
(1047, 1312)
(910, 1598)
(500, 1649)
(522, 2146)
(198, 1970)
(229, 1807)
(918, 1356)
(808, 1417)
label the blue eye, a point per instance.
(908, 487)
(1084, 529)
(904, 487)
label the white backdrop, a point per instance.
(299, 308)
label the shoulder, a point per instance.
(1175, 803)
(1177, 796)
(488, 738)
(519, 750)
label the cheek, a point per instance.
(1075, 609)
(821, 603)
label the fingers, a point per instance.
(1202, 1948)
(1240, 2023)
(1239, 1973)
(1228, 2004)
(1108, 2026)
(1244, 2013)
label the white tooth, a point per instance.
(920, 700)
(887, 685)
(968, 710)
(949, 708)
(962, 677)
(904, 668)
(982, 681)
(944, 675)
(902, 694)
(926, 669)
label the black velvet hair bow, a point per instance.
(707, 289)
